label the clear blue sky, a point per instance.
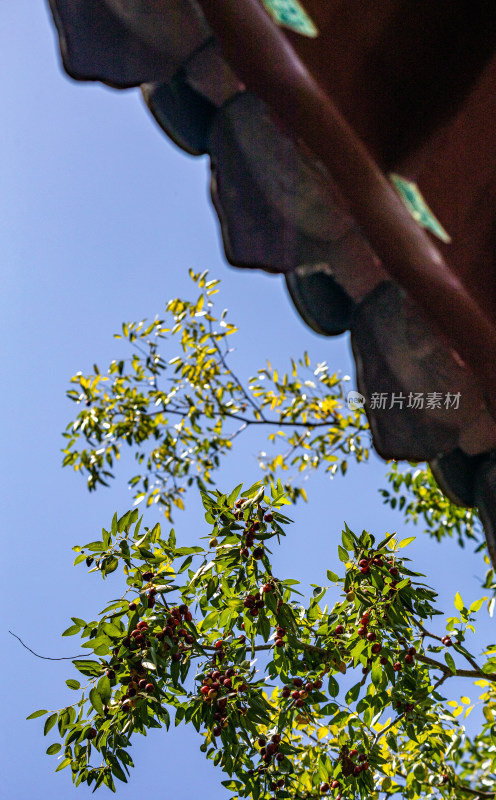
(100, 219)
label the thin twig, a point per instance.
(469, 658)
(246, 395)
(440, 681)
(47, 658)
(385, 730)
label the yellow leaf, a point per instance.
(405, 542)
(477, 605)
(458, 602)
(465, 700)
(322, 732)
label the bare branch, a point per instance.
(48, 658)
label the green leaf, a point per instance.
(111, 565)
(54, 748)
(376, 672)
(343, 555)
(385, 541)
(96, 701)
(352, 694)
(73, 629)
(39, 713)
(118, 772)
(72, 684)
(104, 689)
(331, 576)
(111, 629)
(49, 723)
(95, 547)
(347, 540)
(322, 771)
(87, 667)
(234, 495)
(451, 664)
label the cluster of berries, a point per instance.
(142, 634)
(377, 561)
(371, 636)
(280, 634)
(255, 602)
(152, 591)
(402, 706)
(363, 630)
(362, 766)
(139, 683)
(173, 621)
(446, 640)
(217, 688)
(409, 658)
(301, 690)
(376, 648)
(248, 541)
(279, 784)
(251, 532)
(270, 750)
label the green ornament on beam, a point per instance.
(291, 14)
(418, 208)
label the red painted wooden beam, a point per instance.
(265, 61)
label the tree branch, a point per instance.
(247, 421)
(474, 792)
(460, 673)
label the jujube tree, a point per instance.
(340, 694)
